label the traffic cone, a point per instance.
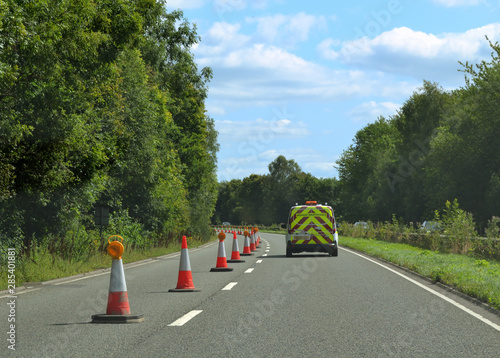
(221, 256)
(257, 238)
(118, 309)
(252, 242)
(246, 247)
(235, 255)
(185, 278)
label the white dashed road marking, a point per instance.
(184, 319)
(229, 286)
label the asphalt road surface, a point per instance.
(309, 305)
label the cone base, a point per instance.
(235, 260)
(221, 269)
(246, 254)
(183, 290)
(114, 318)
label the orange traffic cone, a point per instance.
(257, 238)
(118, 309)
(246, 247)
(235, 255)
(252, 242)
(221, 256)
(185, 278)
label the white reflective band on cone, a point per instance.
(184, 265)
(222, 250)
(117, 280)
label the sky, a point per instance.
(301, 78)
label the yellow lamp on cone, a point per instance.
(115, 248)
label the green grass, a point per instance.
(476, 278)
(44, 267)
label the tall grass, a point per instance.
(43, 265)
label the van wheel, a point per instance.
(288, 252)
(334, 253)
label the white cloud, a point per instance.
(215, 110)
(262, 74)
(238, 5)
(454, 3)
(184, 4)
(223, 7)
(370, 111)
(309, 160)
(324, 167)
(326, 51)
(250, 72)
(287, 30)
(230, 5)
(240, 167)
(262, 132)
(221, 38)
(414, 53)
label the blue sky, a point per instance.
(300, 78)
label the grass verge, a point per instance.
(476, 278)
(43, 266)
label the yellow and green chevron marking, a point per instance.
(311, 224)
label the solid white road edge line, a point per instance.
(184, 319)
(20, 293)
(447, 299)
(229, 286)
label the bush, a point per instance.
(458, 236)
(459, 228)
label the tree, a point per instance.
(365, 180)
(102, 102)
(167, 51)
(283, 177)
(464, 157)
(416, 123)
(58, 76)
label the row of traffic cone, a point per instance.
(234, 229)
(118, 309)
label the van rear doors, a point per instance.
(311, 227)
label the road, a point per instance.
(309, 305)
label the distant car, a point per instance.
(362, 224)
(226, 223)
(430, 226)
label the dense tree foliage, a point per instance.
(266, 199)
(439, 147)
(101, 102)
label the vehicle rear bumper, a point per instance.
(329, 248)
